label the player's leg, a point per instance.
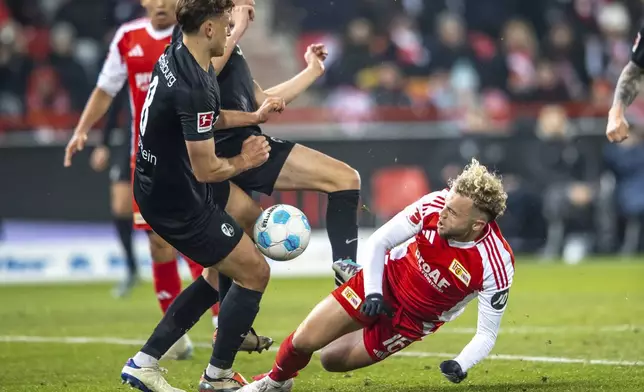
(245, 211)
(327, 322)
(121, 206)
(215, 240)
(307, 169)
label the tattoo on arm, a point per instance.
(628, 85)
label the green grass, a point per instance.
(574, 303)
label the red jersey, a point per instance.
(429, 279)
(133, 53)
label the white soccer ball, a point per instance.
(282, 232)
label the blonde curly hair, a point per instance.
(483, 187)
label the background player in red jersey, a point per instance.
(420, 270)
(133, 53)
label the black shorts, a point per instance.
(121, 171)
(208, 237)
(260, 179)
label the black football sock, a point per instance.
(342, 224)
(224, 285)
(236, 315)
(125, 230)
(183, 313)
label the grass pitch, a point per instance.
(567, 328)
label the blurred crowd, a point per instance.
(471, 61)
(467, 57)
(51, 52)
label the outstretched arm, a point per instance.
(294, 87)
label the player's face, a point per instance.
(217, 30)
(160, 12)
(459, 218)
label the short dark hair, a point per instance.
(191, 14)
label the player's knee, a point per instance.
(160, 250)
(346, 178)
(257, 274)
(331, 361)
(121, 208)
(306, 339)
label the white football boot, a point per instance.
(146, 379)
(266, 384)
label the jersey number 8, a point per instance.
(152, 89)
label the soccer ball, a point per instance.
(282, 232)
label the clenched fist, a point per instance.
(255, 151)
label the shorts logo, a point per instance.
(352, 297)
(227, 229)
(205, 121)
(460, 272)
(276, 140)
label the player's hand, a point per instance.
(100, 158)
(270, 105)
(242, 16)
(375, 305)
(452, 371)
(617, 128)
(255, 151)
(77, 143)
(315, 56)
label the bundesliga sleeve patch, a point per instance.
(205, 121)
(352, 297)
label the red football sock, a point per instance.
(288, 361)
(195, 271)
(167, 283)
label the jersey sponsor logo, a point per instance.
(136, 51)
(227, 229)
(142, 80)
(352, 297)
(461, 273)
(500, 299)
(637, 41)
(205, 121)
(165, 69)
(433, 276)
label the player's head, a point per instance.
(209, 19)
(476, 197)
(160, 12)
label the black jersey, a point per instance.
(638, 49)
(237, 90)
(182, 104)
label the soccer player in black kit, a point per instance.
(290, 166)
(182, 190)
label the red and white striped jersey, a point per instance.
(133, 53)
(431, 279)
